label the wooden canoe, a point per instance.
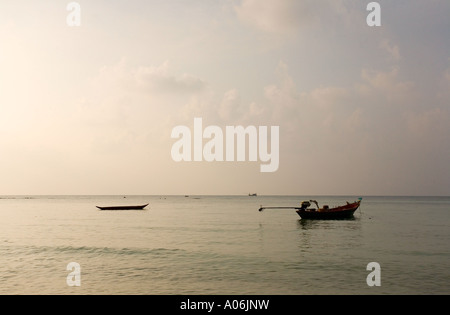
(140, 207)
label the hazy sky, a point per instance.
(90, 109)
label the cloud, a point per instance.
(220, 109)
(444, 85)
(278, 16)
(429, 124)
(376, 128)
(160, 79)
(230, 104)
(290, 16)
(148, 79)
(337, 115)
(126, 109)
(387, 86)
(392, 50)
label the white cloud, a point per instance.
(278, 16)
(388, 86)
(148, 79)
(160, 79)
(335, 118)
(290, 16)
(392, 50)
(374, 128)
(230, 105)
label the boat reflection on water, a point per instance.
(326, 224)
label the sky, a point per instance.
(90, 109)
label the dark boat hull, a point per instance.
(140, 207)
(339, 213)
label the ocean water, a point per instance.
(220, 245)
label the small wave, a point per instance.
(98, 251)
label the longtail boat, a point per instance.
(325, 213)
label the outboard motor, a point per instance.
(305, 205)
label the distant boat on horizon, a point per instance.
(139, 207)
(252, 195)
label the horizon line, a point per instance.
(214, 195)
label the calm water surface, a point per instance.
(212, 245)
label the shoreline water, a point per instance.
(222, 245)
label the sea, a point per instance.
(222, 245)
